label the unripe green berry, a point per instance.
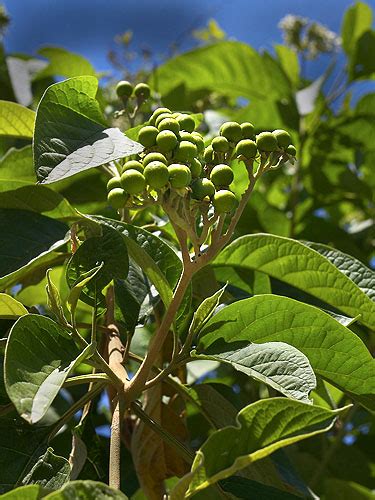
(186, 151)
(266, 141)
(231, 131)
(186, 122)
(179, 175)
(162, 117)
(246, 148)
(199, 142)
(247, 130)
(154, 157)
(169, 124)
(201, 188)
(133, 181)
(166, 141)
(222, 175)
(224, 201)
(133, 165)
(291, 150)
(186, 136)
(115, 182)
(208, 155)
(124, 89)
(158, 112)
(147, 136)
(156, 174)
(220, 144)
(195, 168)
(117, 198)
(142, 91)
(283, 138)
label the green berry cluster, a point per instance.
(125, 90)
(175, 160)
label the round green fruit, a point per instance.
(186, 151)
(133, 182)
(266, 141)
(179, 175)
(201, 188)
(117, 197)
(115, 182)
(156, 174)
(142, 91)
(247, 130)
(158, 112)
(246, 148)
(224, 201)
(186, 122)
(220, 144)
(147, 136)
(162, 117)
(124, 89)
(231, 131)
(291, 150)
(199, 142)
(166, 141)
(134, 165)
(169, 124)
(195, 168)
(209, 155)
(187, 136)
(222, 175)
(283, 138)
(154, 157)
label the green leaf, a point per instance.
(77, 288)
(86, 490)
(204, 312)
(10, 308)
(39, 235)
(298, 265)
(18, 164)
(50, 471)
(109, 249)
(30, 492)
(354, 269)
(64, 63)
(39, 356)
(276, 364)
(346, 490)
(289, 62)
(70, 132)
(36, 198)
(357, 20)
(246, 489)
(20, 446)
(335, 353)
(262, 428)
(16, 120)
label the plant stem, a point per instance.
(115, 445)
(86, 379)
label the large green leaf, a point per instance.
(262, 428)
(276, 364)
(35, 198)
(71, 134)
(246, 489)
(335, 353)
(232, 68)
(39, 356)
(30, 492)
(16, 120)
(50, 471)
(64, 63)
(354, 269)
(10, 308)
(357, 20)
(110, 249)
(86, 490)
(18, 164)
(346, 490)
(298, 265)
(25, 237)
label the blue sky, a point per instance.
(89, 26)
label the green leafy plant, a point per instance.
(187, 306)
